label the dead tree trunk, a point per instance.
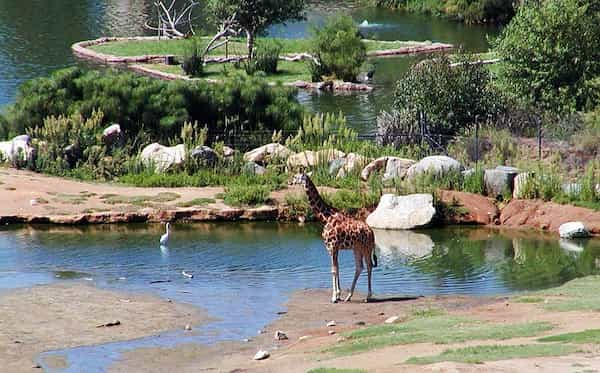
(171, 19)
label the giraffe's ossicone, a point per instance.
(341, 232)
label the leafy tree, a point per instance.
(452, 98)
(338, 49)
(255, 16)
(551, 53)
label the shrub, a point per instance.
(397, 128)
(157, 107)
(322, 131)
(550, 54)
(338, 49)
(451, 98)
(193, 62)
(266, 56)
(238, 195)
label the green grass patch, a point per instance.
(196, 202)
(237, 46)
(580, 294)
(529, 300)
(246, 195)
(72, 199)
(479, 354)
(586, 336)
(434, 329)
(336, 370)
(116, 199)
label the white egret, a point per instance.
(164, 239)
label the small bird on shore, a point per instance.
(164, 239)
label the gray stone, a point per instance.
(396, 168)
(261, 355)
(309, 158)
(266, 153)
(402, 244)
(336, 165)
(573, 229)
(228, 152)
(571, 189)
(435, 164)
(499, 180)
(402, 212)
(163, 157)
(374, 166)
(254, 168)
(205, 155)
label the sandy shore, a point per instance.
(309, 311)
(50, 317)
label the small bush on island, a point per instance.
(266, 57)
(551, 55)
(242, 103)
(193, 62)
(338, 49)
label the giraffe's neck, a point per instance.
(320, 208)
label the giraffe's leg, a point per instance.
(369, 269)
(335, 293)
(358, 263)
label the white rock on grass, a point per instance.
(19, 146)
(402, 212)
(574, 229)
(373, 166)
(331, 323)
(392, 320)
(163, 157)
(112, 134)
(267, 152)
(435, 164)
(309, 158)
(261, 355)
(519, 184)
(396, 168)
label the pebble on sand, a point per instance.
(331, 323)
(261, 355)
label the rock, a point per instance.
(18, 149)
(396, 168)
(468, 172)
(392, 320)
(73, 153)
(261, 355)
(499, 181)
(571, 189)
(471, 208)
(331, 332)
(331, 323)
(519, 184)
(403, 244)
(360, 323)
(163, 157)
(228, 152)
(280, 336)
(402, 212)
(205, 155)
(374, 166)
(112, 135)
(304, 338)
(436, 164)
(254, 168)
(336, 165)
(266, 153)
(340, 339)
(188, 327)
(574, 229)
(309, 158)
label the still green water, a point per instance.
(36, 35)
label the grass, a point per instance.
(72, 199)
(586, 336)
(115, 199)
(242, 195)
(237, 46)
(434, 329)
(479, 354)
(287, 72)
(580, 294)
(529, 300)
(336, 370)
(196, 202)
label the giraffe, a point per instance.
(341, 232)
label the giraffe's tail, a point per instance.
(373, 259)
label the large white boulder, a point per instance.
(342, 166)
(267, 152)
(436, 164)
(17, 149)
(374, 166)
(403, 244)
(402, 212)
(163, 157)
(499, 180)
(573, 229)
(309, 158)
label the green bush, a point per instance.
(246, 195)
(193, 62)
(550, 55)
(329, 131)
(266, 56)
(157, 107)
(451, 98)
(338, 49)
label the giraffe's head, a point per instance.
(300, 178)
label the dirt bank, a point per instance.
(309, 311)
(65, 315)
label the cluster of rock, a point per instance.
(164, 158)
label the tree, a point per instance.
(254, 16)
(551, 54)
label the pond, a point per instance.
(36, 36)
(243, 272)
